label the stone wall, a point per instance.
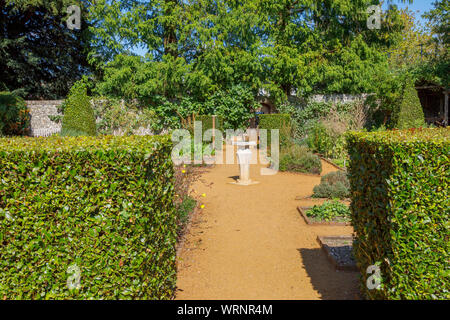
(41, 125)
(337, 98)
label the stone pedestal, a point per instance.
(244, 158)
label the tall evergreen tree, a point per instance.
(40, 58)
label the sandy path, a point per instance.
(251, 243)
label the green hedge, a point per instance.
(277, 121)
(400, 211)
(14, 115)
(102, 203)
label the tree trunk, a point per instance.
(170, 37)
(446, 109)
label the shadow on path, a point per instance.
(328, 282)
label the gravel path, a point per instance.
(251, 243)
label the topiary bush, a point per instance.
(409, 112)
(299, 159)
(14, 115)
(333, 185)
(103, 205)
(400, 211)
(79, 118)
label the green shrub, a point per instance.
(122, 117)
(333, 185)
(335, 177)
(409, 112)
(319, 138)
(304, 114)
(325, 190)
(79, 116)
(298, 159)
(104, 204)
(329, 211)
(281, 122)
(14, 115)
(400, 211)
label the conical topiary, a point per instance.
(409, 112)
(79, 118)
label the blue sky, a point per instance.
(418, 6)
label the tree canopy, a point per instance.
(197, 47)
(436, 68)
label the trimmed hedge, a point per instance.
(400, 211)
(104, 204)
(14, 115)
(276, 121)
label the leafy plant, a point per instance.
(185, 203)
(319, 138)
(14, 115)
(121, 117)
(329, 211)
(236, 106)
(299, 159)
(186, 206)
(79, 118)
(207, 123)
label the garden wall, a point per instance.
(40, 110)
(337, 98)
